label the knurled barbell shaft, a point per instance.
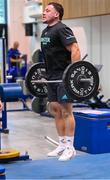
(58, 81)
(45, 81)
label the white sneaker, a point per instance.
(57, 152)
(67, 154)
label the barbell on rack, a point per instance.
(80, 79)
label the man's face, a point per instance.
(50, 14)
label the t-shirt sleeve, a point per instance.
(66, 36)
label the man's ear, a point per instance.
(57, 14)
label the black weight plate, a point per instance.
(35, 56)
(81, 90)
(38, 104)
(36, 72)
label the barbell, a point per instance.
(80, 79)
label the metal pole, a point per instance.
(58, 81)
(4, 60)
(45, 81)
(0, 140)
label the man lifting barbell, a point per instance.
(60, 48)
(63, 77)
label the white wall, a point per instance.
(16, 31)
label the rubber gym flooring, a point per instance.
(26, 133)
(81, 167)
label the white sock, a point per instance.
(69, 141)
(62, 141)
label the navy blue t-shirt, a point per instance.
(54, 40)
(15, 54)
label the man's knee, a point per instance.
(65, 114)
(55, 108)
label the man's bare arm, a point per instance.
(75, 52)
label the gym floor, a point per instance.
(27, 131)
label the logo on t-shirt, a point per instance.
(45, 40)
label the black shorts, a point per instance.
(57, 93)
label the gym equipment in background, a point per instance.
(37, 56)
(18, 71)
(9, 155)
(38, 105)
(11, 92)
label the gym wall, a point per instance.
(16, 30)
(83, 8)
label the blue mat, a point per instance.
(84, 166)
